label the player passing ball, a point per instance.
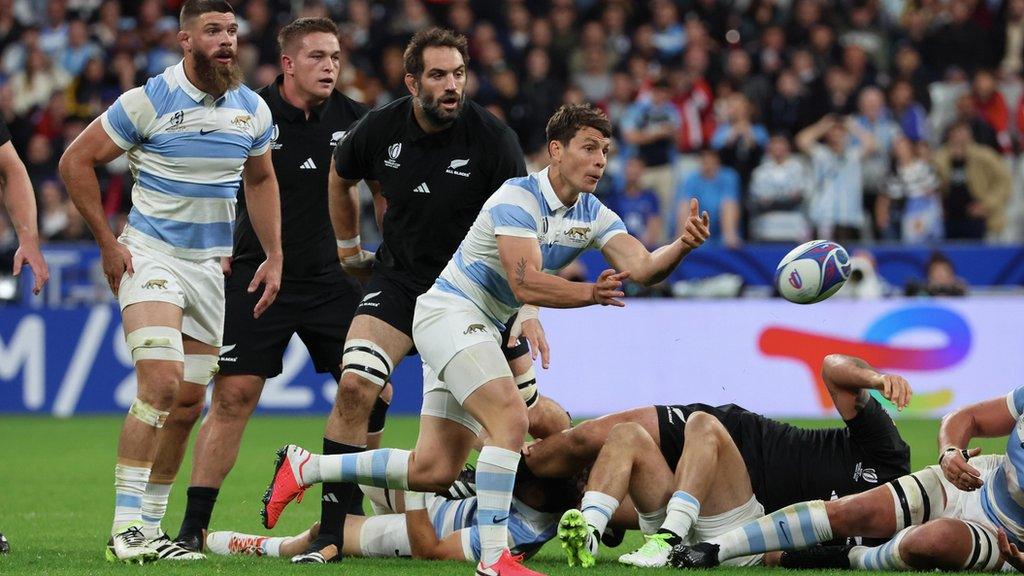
(530, 228)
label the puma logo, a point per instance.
(475, 328)
(154, 284)
(578, 232)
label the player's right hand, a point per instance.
(609, 287)
(533, 331)
(117, 260)
(959, 472)
(268, 274)
(895, 389)
(1009, 552)
(357, 263)
(30, 254)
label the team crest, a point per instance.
(241, 121)
(337, 137)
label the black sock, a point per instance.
(335, 503)
(198, 510)
(673, 538)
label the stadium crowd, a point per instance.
(860, 119)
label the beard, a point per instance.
(437, 115)
(218, 78)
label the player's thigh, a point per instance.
(871, 514)
(256, 346)
(203, 286)
(731, 486)
(150, 313)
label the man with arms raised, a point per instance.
(527, 231)
(192, 135)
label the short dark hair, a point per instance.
(298, 29)
(432, 38)
(195, 8)
(570, 118)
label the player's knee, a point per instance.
(850, 517)
(433, 474)
(510, 430)
(356, 393)
(627, 434)
(159, 387)
(935, 545)
(186, 411)
(233, 403)
(706, 427)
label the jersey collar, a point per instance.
(290, 112)
(549, 192)
(186, 86)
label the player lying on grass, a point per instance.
(956, 515)
(426, 526)
(733, 462)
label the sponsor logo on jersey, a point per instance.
(422, 189)
(393, 152)
(155, 284)
(308, 165)
(453, 168)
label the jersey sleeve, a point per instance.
(607, 225)
(5, 133)
(128, 118)
(353, 158)
(514, 212)
(264, 129)
(1015, 402)
(509, 160)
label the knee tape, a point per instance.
(148, 414)
(917, 497)
(156, 343)
(984, 549)
(367, 360)
(200, 368)
(527, 384)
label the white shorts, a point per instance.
(195, 286)
(708, 527)
(967, 505)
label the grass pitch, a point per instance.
(56, 499)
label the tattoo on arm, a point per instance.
(521, 272)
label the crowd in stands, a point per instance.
(871, 120)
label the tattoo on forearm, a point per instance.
(521, 272)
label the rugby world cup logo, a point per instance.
(876, 348)
(394, 150)
(795, 281)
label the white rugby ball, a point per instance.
(812, 272)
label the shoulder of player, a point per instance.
(491, 130)
(522, 190)
(345, 109)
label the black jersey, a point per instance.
(301, 151)
(787, 464)
(5, 134)
(435, 184)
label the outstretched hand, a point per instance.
(697, 228)
(609, 287)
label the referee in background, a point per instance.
(317, 298)
(436, 157)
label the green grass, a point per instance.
(56, 498)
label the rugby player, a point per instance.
(16, 189)
(528, 230)
(962, 514)
(192, 135)
(733, 461)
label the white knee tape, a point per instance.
(527, 384)
(156, 343)
(367, 360)
(200, 368)
(148, 414)
(984, 549)
(917, 498)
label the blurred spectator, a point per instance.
(669, 35)
(594, 79)
(80, 49)
(836, 203)
(873, 117)
(940, 279)
(961, 42)
(991, 107)
(53, 209)
(967, 113)
(34, 84)
(693, 100)
(1011, 43)
(784, 111)
(740, 74)
(975, 184)
(650, 126)
(777, 192)
(90, 92)
(638, 206)
(910, 208)
(739, 140)
(865, 282)
(717, 188)
(910, 115)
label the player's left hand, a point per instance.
(357, 263)
(533, 331)
(1009, 552)
(30, 254)
(697, 228)
(895, 389)
(268, 274)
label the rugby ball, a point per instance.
(812, 272)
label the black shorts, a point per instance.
(390, 297)
(256, 346)
(787, 464)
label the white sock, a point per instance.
(598, 508)
(884, 557)
(791, 528)
(495, 479)
(154, 506)
(272, 546)
(129, 487)
(650, 522)
(383, 468)
(683, 510)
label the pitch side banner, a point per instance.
(764, 355)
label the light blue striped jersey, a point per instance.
(186, 151)
(525, 207)
(528, 529)
(1001, 497)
